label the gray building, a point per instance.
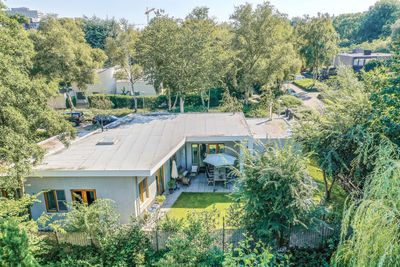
(134, 165)
(358, 58)
(34, 16)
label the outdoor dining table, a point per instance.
(220, 175)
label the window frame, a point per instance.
(46, 200)
(217, 147)
(142, 191)
(84, 198)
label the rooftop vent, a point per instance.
(367, 52)
(106, 141)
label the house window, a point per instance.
(355, 62)
(195, 154)
(143, 190)
(55, 201)
(84, 195)
(361, 62)
(216, 148)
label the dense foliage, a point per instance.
(274, 195)
(367, 26)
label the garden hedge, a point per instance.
(156, 102)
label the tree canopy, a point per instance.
(61, 52)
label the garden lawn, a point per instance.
(338, 195)
(306, 84)
(188, 202)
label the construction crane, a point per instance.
(147, 13)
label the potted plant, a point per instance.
(146, 216)
(160, 199)
(171, 184)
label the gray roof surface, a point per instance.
(262, 128)
(144, 142)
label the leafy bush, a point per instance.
(14, 246)
(289, 101)
(127, 246)
(124, 101)
(189, 245)
(102, 102)
(251, 253)
(70, 255)
(306, 84)
(230, 103)
(171, 224)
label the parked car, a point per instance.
(107, 119)
(77, 117)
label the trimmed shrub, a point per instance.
(289, 101)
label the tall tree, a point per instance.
(122, 54)
(318, 42)
(274, 193)
(25, 116)
(263, 46)
(62, 53)
(373, 220)
(97, 30)
(378, 20)
(182, 55)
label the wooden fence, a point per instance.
(224, 238)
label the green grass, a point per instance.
(306, 84)
(338, 195)
(187, 202)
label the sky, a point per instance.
(133, 10)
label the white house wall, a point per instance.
(139, 86)
(120, 189)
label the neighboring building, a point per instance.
(358, 58)
(131, 163)
(106, 84)
(34, 16)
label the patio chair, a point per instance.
(210, 178)
(194, 171)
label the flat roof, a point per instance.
(262, 128)
(143, 144)
(372, 55)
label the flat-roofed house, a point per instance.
(131, 162)
(358, 58)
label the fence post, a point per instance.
(157, 239)
(223, 233)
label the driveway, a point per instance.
(310, 99)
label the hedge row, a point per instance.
(156, 102)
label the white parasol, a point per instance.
(174, 171)
(220, 160)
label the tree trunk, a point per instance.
(247, 97)
(315, 77)
(209, 99)
(134, 96)
(169, 99)
(202, 99)
(327, 193)
(182, 104)
(175, 101)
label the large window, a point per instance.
(143, 190)
(84, 195)
(195, 154)
(216, 148)
(55, 201)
